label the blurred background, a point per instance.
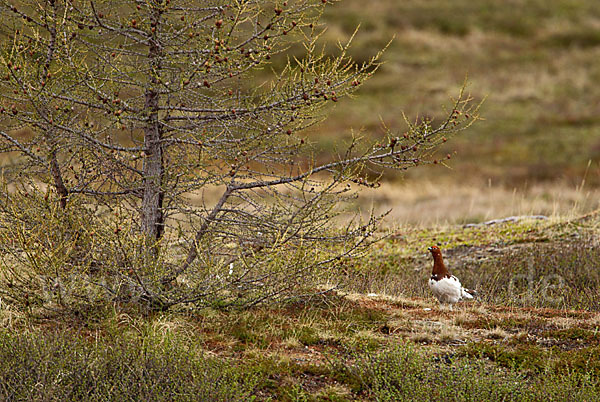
(537, 63)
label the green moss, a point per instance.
(308, 336)
(521, 357)
(574, 334)
(533, 358)
(248, 335)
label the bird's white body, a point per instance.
(448, 290)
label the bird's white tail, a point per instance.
(468, 294)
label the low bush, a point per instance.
(406, 373)
(66, 367)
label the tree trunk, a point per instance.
(152, 214)
(59, 184)
(57, 176)
(153, 170)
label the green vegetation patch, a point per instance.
(60, 366)
(537, 359)
(405, 372)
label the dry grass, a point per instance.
(430, 202)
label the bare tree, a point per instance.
(172, 114)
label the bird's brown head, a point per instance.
(439, 268)
(435, 251)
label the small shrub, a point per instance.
(406, 373)
(61, 367)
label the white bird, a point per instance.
(446, 287)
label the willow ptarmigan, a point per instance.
(445, 287)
